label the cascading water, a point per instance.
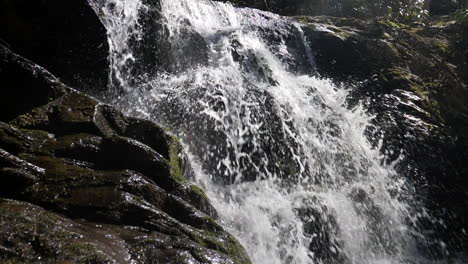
(283, 160)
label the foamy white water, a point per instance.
(286, 164)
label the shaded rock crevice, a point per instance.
(66, 38)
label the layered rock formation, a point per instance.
(81, 182)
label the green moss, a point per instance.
(224, 243)
(442, 23)
(389, 23)
(36, 141)
(35, 232)
(63, 170)
(38, 117)
(191, 192)
(343, 34)
(198, 192)
(398, 77)
(461, 16)
(22, 140)
(302, 19)
(392, 24)
(440, 45)
(84, 251)
(10, 139)
(37, 134)
(77, 107)
(52, 145)
(175, 149)
(431, 106)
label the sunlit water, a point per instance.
(283, 159)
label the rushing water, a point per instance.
(283, 159)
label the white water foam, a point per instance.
(121, 21)
(335, 201)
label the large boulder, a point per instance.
(66, 37)
(81, 182)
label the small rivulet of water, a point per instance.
(284, 161)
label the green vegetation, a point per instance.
(391, 24)
(174, 160)
(198, 194)
(226, 244)
(398, 11)
(402, 11)
(461, 16)
(400, 78)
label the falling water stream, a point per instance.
(284, 160)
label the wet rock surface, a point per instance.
(345, 8)
(290, 7)
(413, 81)
(81, 182)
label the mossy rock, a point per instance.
(77, 158)
(31, 234)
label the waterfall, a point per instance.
(284, 160)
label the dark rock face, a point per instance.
(290, 7)
(321, 225)
(65, 156)
(66, 37)
(154, 50)
(413, 80)
(444, 7)
(352, 8)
